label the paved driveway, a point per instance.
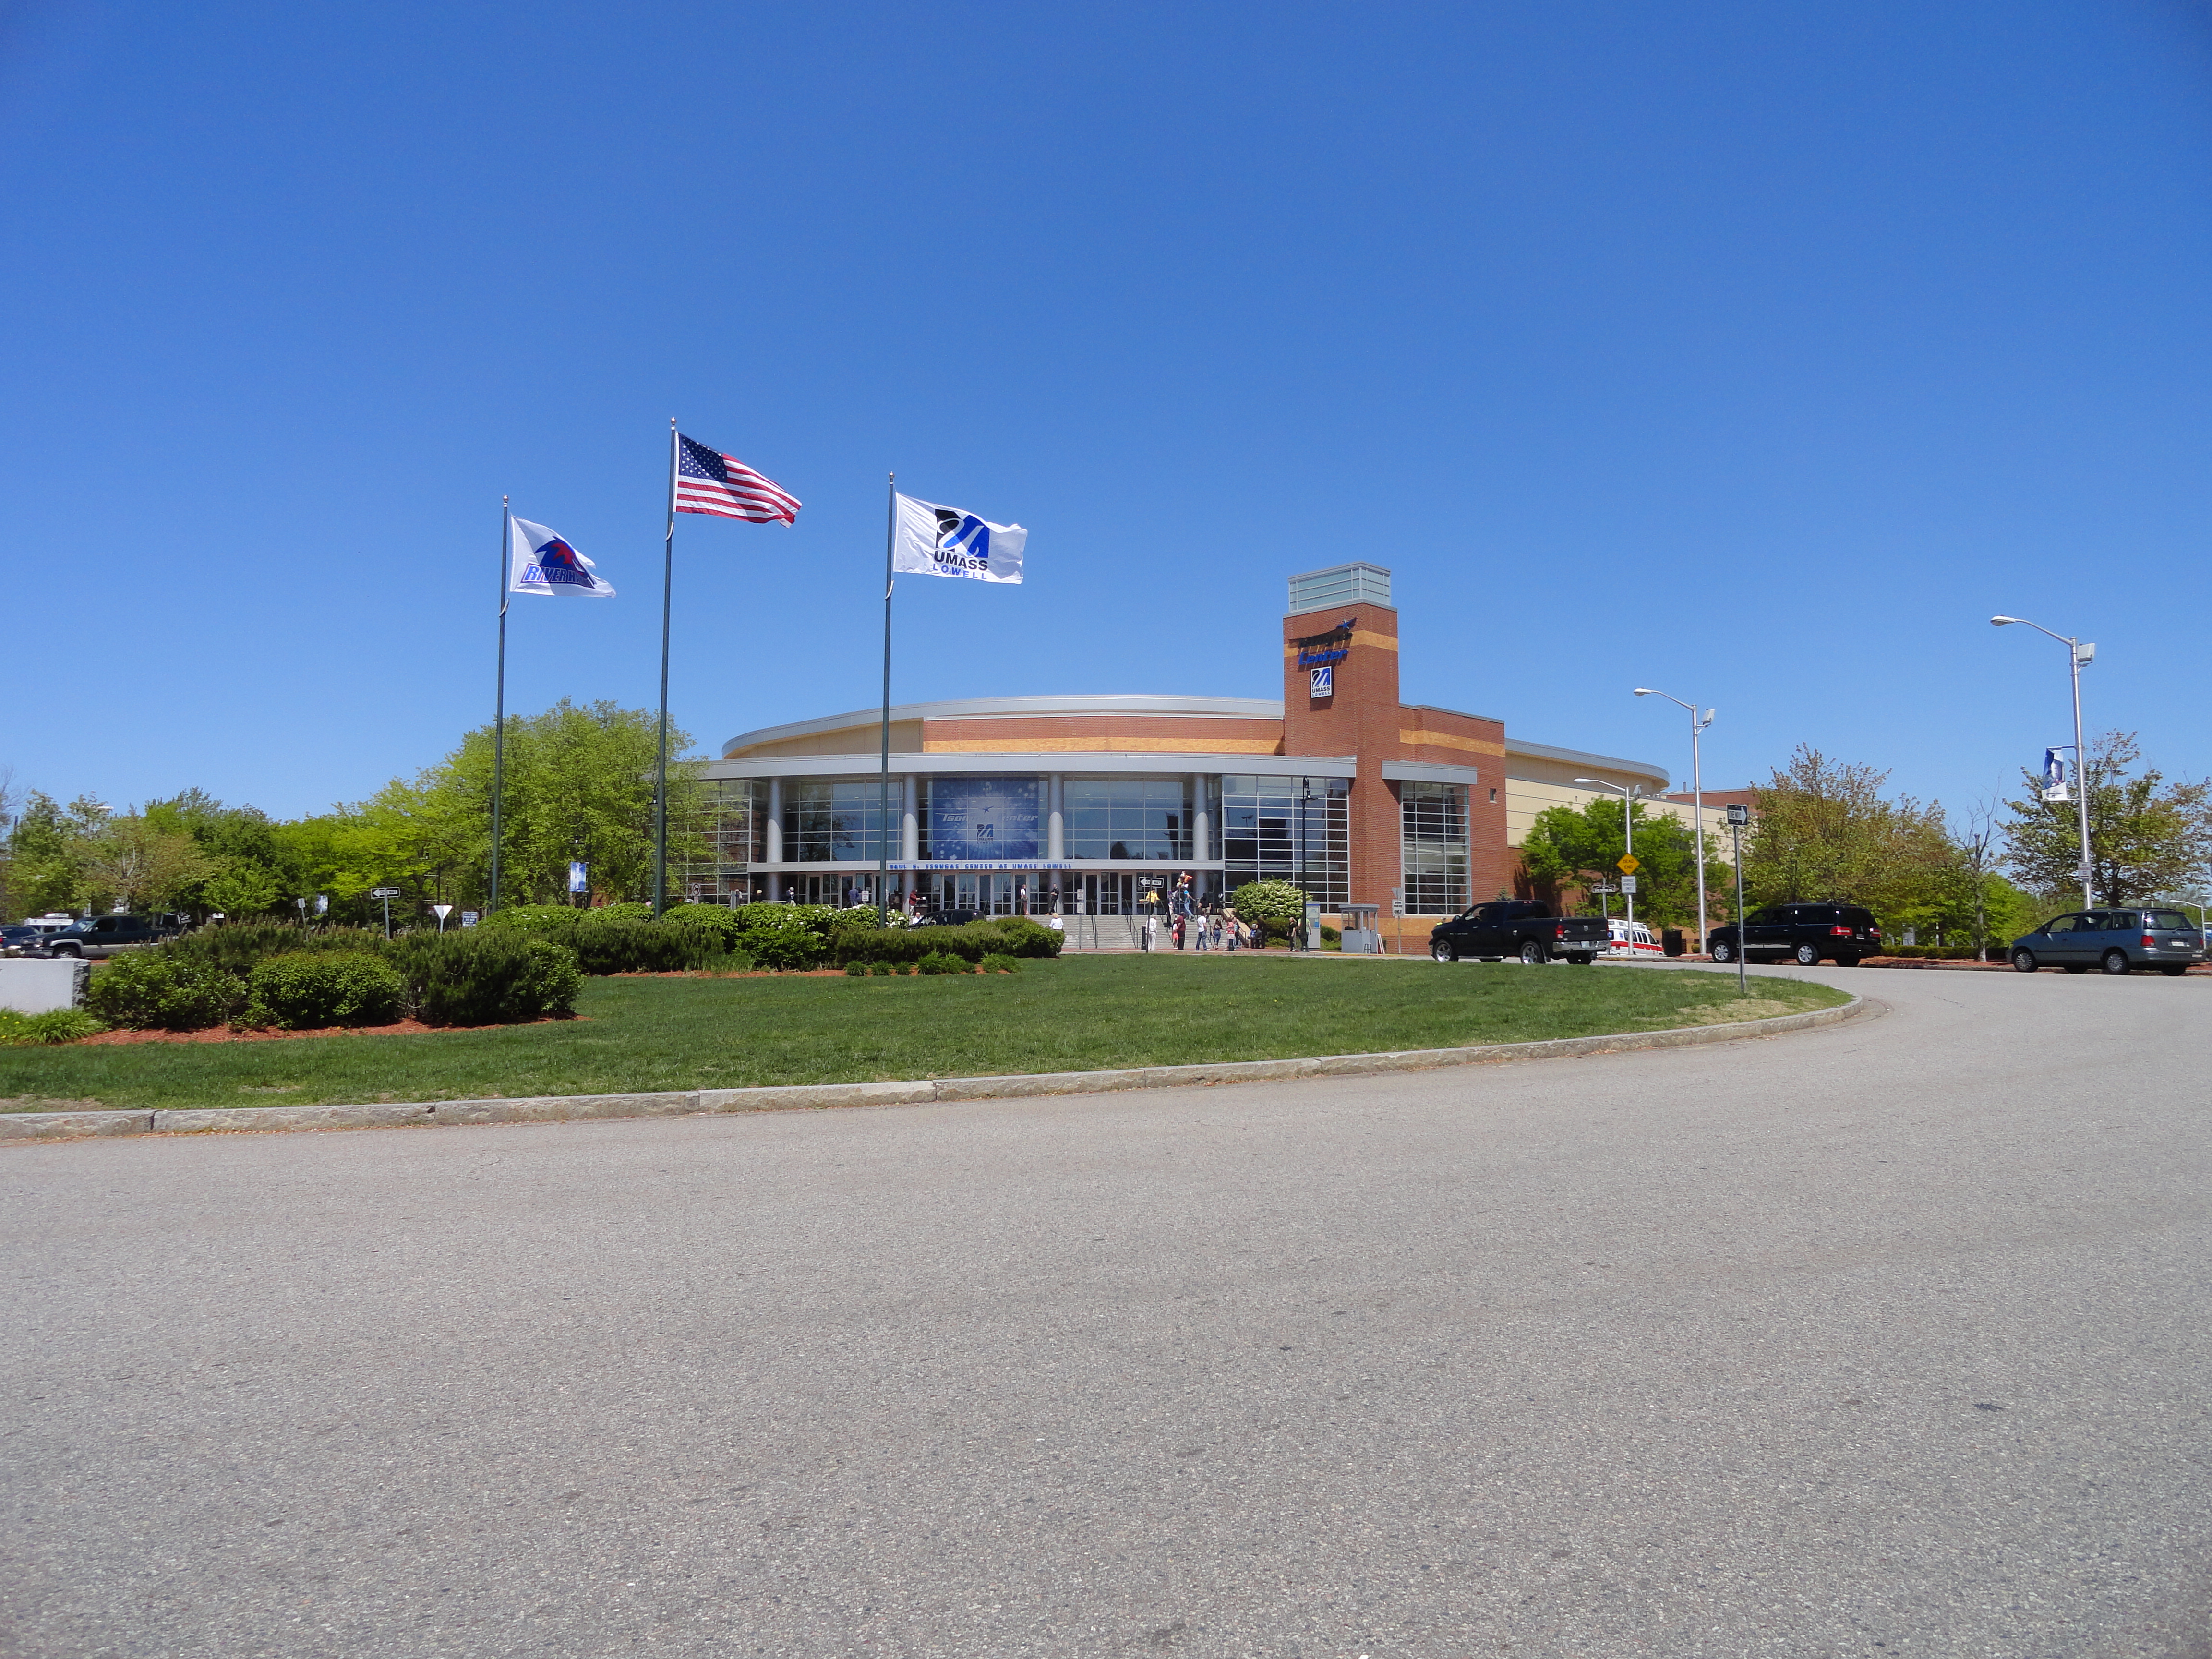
(1890, 1339)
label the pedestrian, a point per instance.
(1150, 930)
(1232, 929)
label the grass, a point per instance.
(1083, 1014)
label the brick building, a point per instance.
(1085, 802)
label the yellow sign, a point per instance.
(1629, 864)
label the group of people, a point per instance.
(1193, 924)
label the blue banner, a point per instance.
(983, 818)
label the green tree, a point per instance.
(131, 861)
(1569, 847)
(1825, 831)
(48, 845)
(2146, 837)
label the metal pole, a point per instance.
(499, 718)
(1743, 985)
(1697, 810)
(661, 771)
(883, 778)
(1628, 834)
(2081, 767)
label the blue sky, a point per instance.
(1757, 353)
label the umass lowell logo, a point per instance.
(964, 541)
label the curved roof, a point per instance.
(1235, 708)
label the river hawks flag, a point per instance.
(942, 541)
(544, 563)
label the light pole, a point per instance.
(1737, 817)
(2077, 654)
(1628, 793)
(1698, 724)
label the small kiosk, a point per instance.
(1360, 937)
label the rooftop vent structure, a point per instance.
(1344, 584)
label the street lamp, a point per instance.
(1697, 724)
(1629, 793)
(2077, 655)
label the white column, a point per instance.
(1200, 829)
(775, 836)
(910, 821)
(1055, 831)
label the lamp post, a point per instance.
(1629, 793)
(1737, 817)
(1698, 724)
(2077, 655)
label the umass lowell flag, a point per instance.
(931, 540)
(543, 563)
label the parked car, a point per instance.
(2117, 941)
(1631, 941)
(1803, 933)
(100, 937)
(23, 938)
(950, 918)
(1522, 928)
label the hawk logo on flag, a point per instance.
(544, 563)
(944, 541)
(723, 487)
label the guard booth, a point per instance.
(1360, 936)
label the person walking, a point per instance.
(1144, 933)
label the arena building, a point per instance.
(1082, 805)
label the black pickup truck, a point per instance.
(101, 937)
(1516, 927)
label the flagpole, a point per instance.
(883, 780)
(660, 773)
(499, 720)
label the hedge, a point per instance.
(480, 977)
(165, 990)
(296, 992)
(1013, 936)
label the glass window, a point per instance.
(1432, 822)
(2169, 920)
(708, 854)
(1293, 830)
(832, 822)
(1127, 817)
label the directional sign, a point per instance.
(1628, 863)
(384, 893)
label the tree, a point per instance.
(2146, 837)
(1576, 846)
(47, 847)
(1825, 832)
(133, 862)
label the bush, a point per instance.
(781, 936)
(159, 990)
(999, 962)
(709, 926)
(238, 947)
(944, 962)
(306, 992)
(1013, 936)
(622, 945)
(878, 970)
(856, 971)
(57, 1025)
(1276, 906)
(486, 976)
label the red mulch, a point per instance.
(756, 973)
(230, 1034)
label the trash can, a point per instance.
(1670, 940)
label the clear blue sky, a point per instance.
(1757, 353)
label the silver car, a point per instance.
(2117, 941)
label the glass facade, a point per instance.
(1148, 818)
(1433, 832)
(728, 835)
(1293, 830)
(835, 822)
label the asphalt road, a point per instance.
(1889, 1339)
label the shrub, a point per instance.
(57, 1025)
(709, 926)
(161, 990)
(879, 969)
(1013, 936)
(856, 969)
(1277, 906)
(999, 962)
(781, 941)
(943, 961)
(238, 947)
(486, 976)
(623, 944)
(307, 993)
(557, 922)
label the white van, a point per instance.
(1632, 942)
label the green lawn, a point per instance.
(1084, 1014)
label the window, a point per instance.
(1128, 818)
(2169, 920)
(1293, 830)
(1432, 837)
(832, 822)
(709, 853)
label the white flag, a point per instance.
(942, 541)
(544, 563)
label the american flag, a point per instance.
(725, 488)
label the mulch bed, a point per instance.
(231, 1034)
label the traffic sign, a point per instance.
(1628, 863)
(384, 893)
(1628, 885)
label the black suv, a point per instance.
(1803, 933)
(99, 937)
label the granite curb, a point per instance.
(823, 1096)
